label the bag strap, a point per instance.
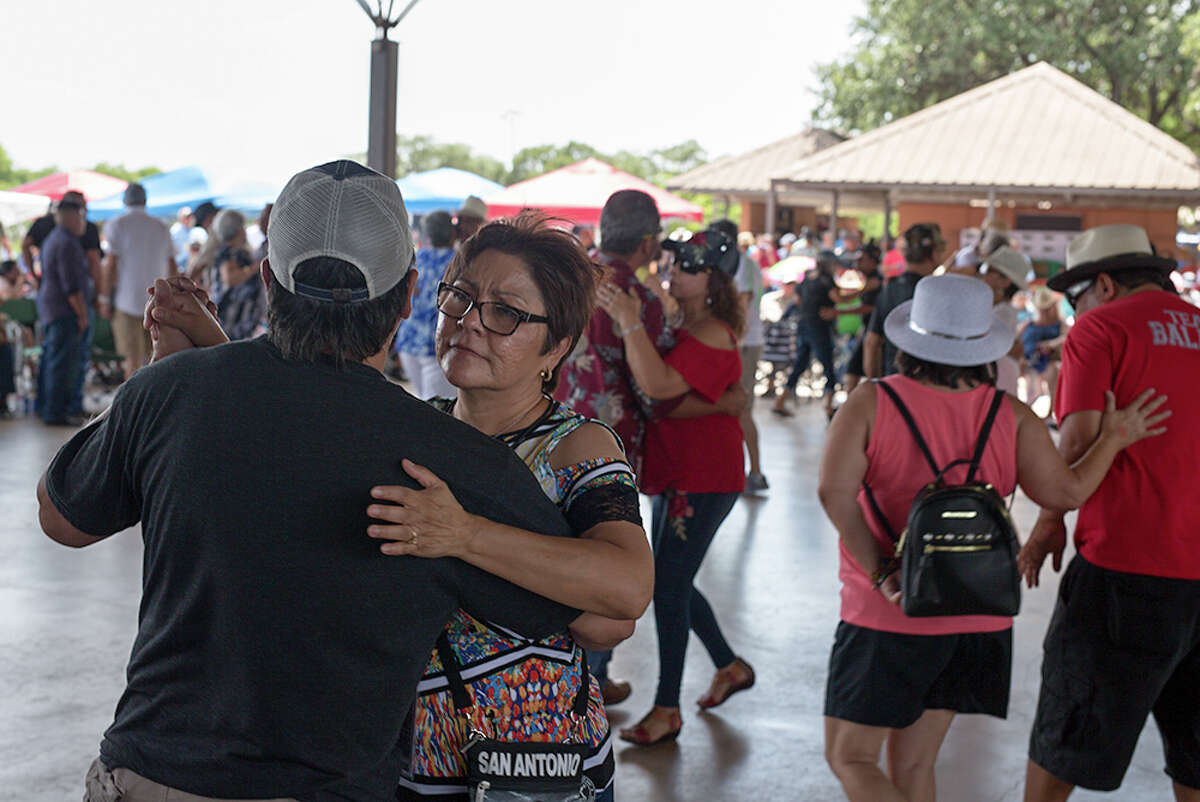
(462, 696)
(887, 527)
(984, 433)
(912, 425)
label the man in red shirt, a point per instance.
(1124, 640)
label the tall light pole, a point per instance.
(381, 125)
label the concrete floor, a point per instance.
(67, 620)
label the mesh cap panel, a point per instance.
(346, 211)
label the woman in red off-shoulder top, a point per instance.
(693, 466)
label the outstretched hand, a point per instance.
(1136, 421)
(422, 523)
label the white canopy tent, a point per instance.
(17, 207)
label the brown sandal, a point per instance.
(725, 684)
(640, 735)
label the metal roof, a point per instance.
(751, 173)
(1034, 131)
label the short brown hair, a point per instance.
(560, 268)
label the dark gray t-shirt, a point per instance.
(277, 650)
(895, 292)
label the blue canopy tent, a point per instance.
(444, 188)
(167, 192)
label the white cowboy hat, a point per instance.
(1105, 249)
(473, 206)
(1011, 264)
(1044, 298)
(949, 321)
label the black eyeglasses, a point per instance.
(1076, 291)
(496, 317)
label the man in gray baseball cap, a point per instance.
(277, 650)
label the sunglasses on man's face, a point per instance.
(1076, 291)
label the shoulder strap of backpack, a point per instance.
(879, 516)
(984, 433)
(912, 425)
(450, 665)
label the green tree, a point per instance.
(909, 54)
(415, 154)
(124, 173)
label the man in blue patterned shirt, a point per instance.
(414, 344)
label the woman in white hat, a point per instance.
(1041, 336)
(1005, 271)
(900, 680)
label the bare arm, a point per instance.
(843, 466)
(27, 252)
(873, 355)
(1088, 444)
(57, 527)
(598, 633)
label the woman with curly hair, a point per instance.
(693, 466)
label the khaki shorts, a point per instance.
(133, 341)
(751, 354)
(123, 785)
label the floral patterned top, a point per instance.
(417, 330)
(523, 690)
(596, 380)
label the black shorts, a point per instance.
(1119, 647)
(886, 679)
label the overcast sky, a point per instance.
(267, 87)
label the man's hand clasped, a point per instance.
(179, 315)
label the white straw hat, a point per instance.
(1105, 249)
(1010, 263)
(949, 321)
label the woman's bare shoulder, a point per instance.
(714, 334)
(590, 441)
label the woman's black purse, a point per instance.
(958, 553)
(519, 771)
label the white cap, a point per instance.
(345, 211)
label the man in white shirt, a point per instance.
(140, 250)
(181, 231)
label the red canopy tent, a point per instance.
(578, 191)
(93, 185)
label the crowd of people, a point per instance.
(411, 595)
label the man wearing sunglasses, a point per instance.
(1124, 640)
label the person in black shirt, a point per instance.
(923, 247)
(868, 265)
(277, 650)
(819, 297)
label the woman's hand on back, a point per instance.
(421, 523)
(625, 308)
(1135, 422)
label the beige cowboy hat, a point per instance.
(1044, 298)
(1010, 263)
(474, 206)
(1107, 248)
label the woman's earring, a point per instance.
(544, 375)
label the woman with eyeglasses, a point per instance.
(512, 305)
(693, 466)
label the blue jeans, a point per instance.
(75, 405)
(58, 371)
(598, 665)
(682, 528)
(814, 340)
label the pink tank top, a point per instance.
(950, 423)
